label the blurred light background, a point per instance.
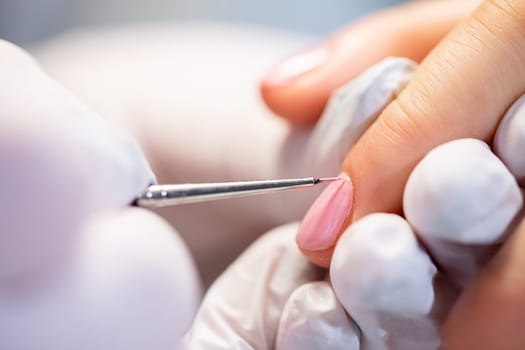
(27, 21)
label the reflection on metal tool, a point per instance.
(166, 195)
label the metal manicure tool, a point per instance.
(166, 195)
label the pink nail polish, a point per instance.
(296, 65)
(326, 216)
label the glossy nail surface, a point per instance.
(296, 65)
(326, 217)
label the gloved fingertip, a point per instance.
(299, 107)
(375, 257)
(509, 141)
(461, 192)
(461, 200)
(386, 282)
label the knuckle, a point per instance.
(400, 123)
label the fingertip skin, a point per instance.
(292, 87)
(381, 161)
(300, 98)
(300, 106)
(321, 258)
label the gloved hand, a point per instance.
(101, 260)
(324, 290)
(80, 291)
(273, 145)
(385, 290)
(78, 268)
(198, 118)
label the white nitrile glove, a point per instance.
(386, 291)
(195, 111)
(509, 141)
(188, 140)
(78, 268)
(389, 285)
(271, 297)
(460, 201)
(267, 300)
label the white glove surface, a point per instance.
(386, 291)
(79, 270)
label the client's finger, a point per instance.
(460, 90)
(299, 87)
(244, 305)
(491, 311)
(350, 111)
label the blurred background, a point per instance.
(27, 21)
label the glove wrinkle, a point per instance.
(314, 319)
(243, 307)
(389, 285)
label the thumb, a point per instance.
(460, 90)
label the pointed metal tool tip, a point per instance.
(328, 179)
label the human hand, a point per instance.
(461, 89)
(298, 87)
(386, 291)
(78, 268)
(349, 114)
(377, 175)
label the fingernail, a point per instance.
(326, 217)
(296, 65)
